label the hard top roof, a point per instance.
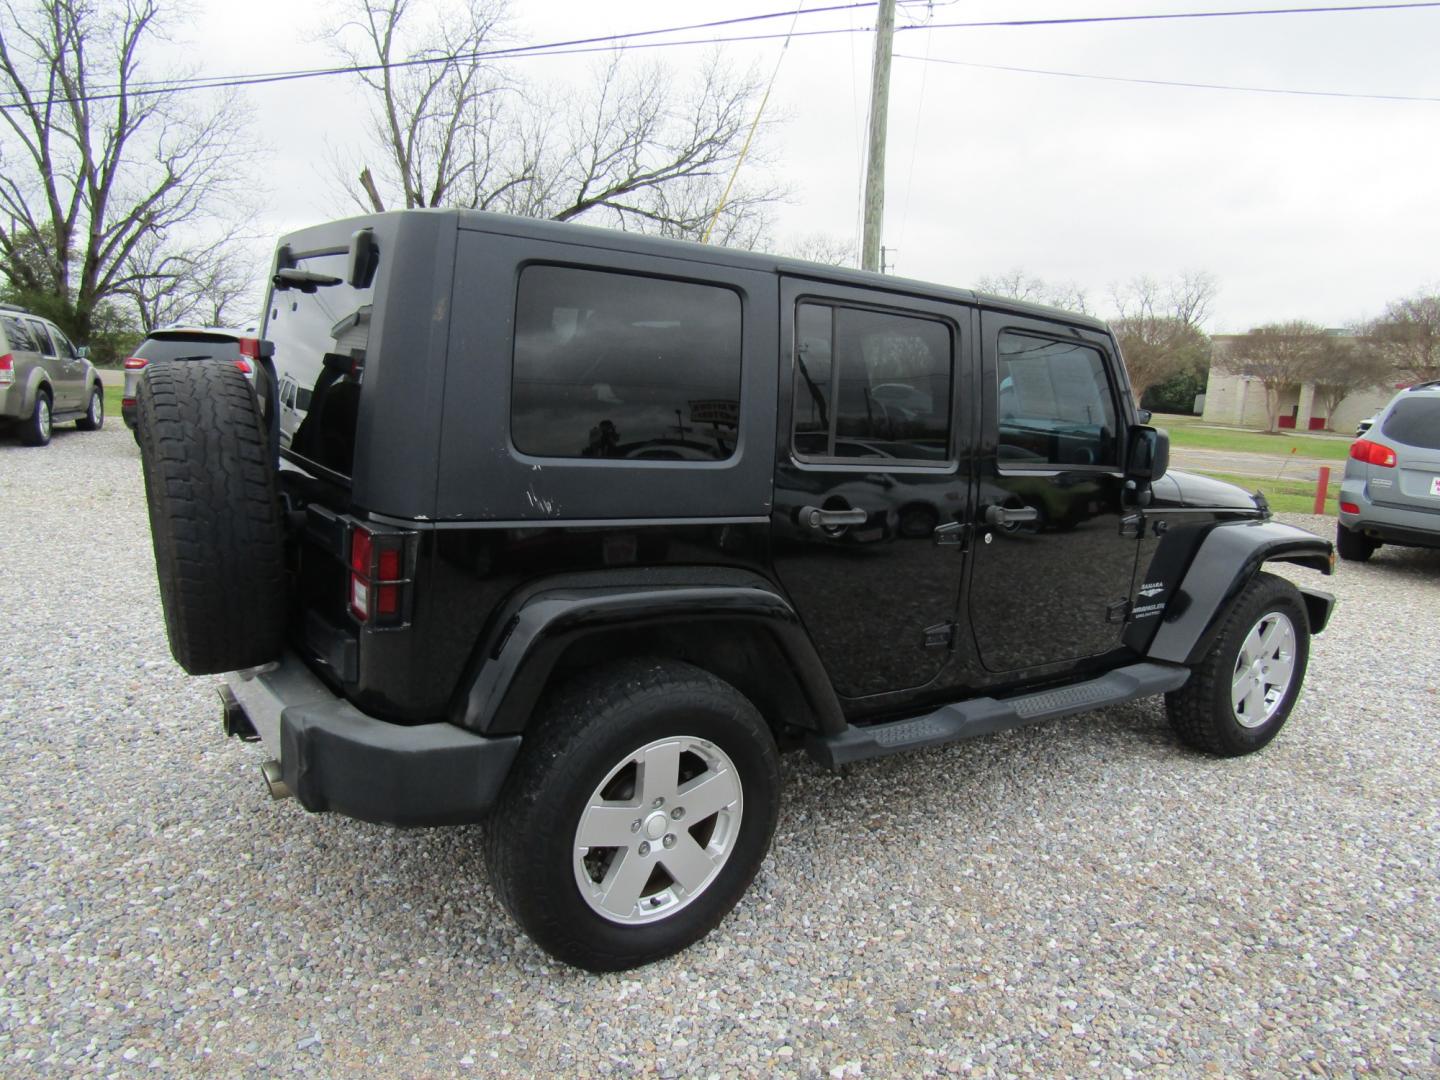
(572, 233)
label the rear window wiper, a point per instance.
(304, 280)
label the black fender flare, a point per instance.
(514, 664)
(1228, 557)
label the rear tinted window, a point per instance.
(42, 337)
(18, 335)
(190, 347)
(624, 366)
(307, 327)
(1414, 421)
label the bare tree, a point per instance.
(88, 161)
(1158, 324)
(822, 248)
(1343, 365)
(1408, 336)
(642, 149)
(1019, 285)
(209, 284)
(1280, 356)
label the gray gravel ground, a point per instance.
(1078, 898)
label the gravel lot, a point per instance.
(1078, 898)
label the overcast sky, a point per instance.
(1302, 207)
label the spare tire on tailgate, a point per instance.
(214, 516)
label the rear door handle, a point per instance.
(828, 519)
(1005, 515)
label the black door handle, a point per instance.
(829, 519)
(1005, 515)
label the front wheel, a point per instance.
(94, 418)
(637, 814)
(1241, 693)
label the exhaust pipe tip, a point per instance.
(274, 779)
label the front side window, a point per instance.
(1055, 406)
(625, 366)
(62, 343)
(871, 384)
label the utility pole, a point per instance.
(875, 160)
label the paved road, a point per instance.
(1289, 467)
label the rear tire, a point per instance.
(1353, 546)
(94, 418)
(214, 516)
(37, 429)
(620, 754)
(1240, 695)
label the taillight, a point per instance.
(135, 363)
(7, 369)
(377, 579)
(244, 366)
(1372, 453)
(1349, 508)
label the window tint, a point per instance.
(1414, 421)
(871, 384)
(319, 337)
(1055, 403)
(41, 337)
(190, 347)
(622, 366)
(19, 335)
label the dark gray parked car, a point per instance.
(44, 380)
(1391, 490)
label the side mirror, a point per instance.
(1149, 453)
(83, 351)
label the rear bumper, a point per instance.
(127, 411)
(1388, 524)
(334, 757)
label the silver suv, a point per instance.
(187, 343)
(1391, 490)
(44, 380)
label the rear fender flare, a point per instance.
(515, 666)
(1229, 556)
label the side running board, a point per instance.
(984, 715)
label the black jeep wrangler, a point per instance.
(574, 530)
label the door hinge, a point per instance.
(1133, 526)
(1118, 612)
(940, 635)
(952, 532)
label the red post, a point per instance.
(1321, 488)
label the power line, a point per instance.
(107, 91)
(1169, 82)
(608, 42)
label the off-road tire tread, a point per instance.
(552, 758)
(1191, 709)
(214, 516)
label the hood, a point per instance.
(1194, 490)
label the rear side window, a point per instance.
(624, 366)
(189, 347)
(62, 343)
(1414, 421)
(1055, 406)
(871, 384)
(19, 335)
(41, 337)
